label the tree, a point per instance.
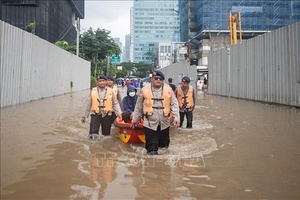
(136, 69)
(127, 68)
(97, 44)
(142, 70)
(112, 71)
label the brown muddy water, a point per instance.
(237, 150)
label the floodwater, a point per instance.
(237, 150)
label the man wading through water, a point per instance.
(155, 103)
(185, 94)
(100, 105)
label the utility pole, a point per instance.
(95, 61)
(78, 33)
(240, 25)
(107, 66)
(188, 59)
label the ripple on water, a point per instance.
(187, 147)
(185, 144)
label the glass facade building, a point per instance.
(54, 20)
(153, 21)
(256, 15)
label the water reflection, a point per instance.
(237, 149)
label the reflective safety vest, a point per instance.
(115, 90)
(149, 100)
(107, 101)
(189, 97)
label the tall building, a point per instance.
(131, 34)
(204, 23)
(126, 49)
(153, 21)
(50, 20)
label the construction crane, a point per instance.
(233, 21)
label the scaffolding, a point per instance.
(257, 16)
(235, 23)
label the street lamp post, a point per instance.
(78, 33)
(107, 65)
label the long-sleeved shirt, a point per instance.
(185, 90)
(158, 118)
(101, 93)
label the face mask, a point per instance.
(131, 94)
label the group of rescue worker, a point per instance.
(155, 103)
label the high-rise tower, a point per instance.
(153, 21)
(204, 23)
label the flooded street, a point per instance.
(237, 149)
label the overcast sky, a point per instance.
(111, 15)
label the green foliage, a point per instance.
(31, 27)
(65, 45)
(136, 69)
(142, 70)
(96, 45)
(121, 73)
(93, 81)
(112, 72)
(98, 68)
(62, 44)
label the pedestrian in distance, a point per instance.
(185, 94)
(100, 105)
(141, 84)
(155, 103)
(205, 83)
(129, 102)
(127, 82)
(170, 80)
(135, 83)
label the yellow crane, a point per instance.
(233, 20)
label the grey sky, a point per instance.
(110, 15)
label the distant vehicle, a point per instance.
(200, 85)
(147, 80)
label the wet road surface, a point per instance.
(237, 149)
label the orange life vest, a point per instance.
(149, 100)
(107, 101)
(188, 97)
(115, 90)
